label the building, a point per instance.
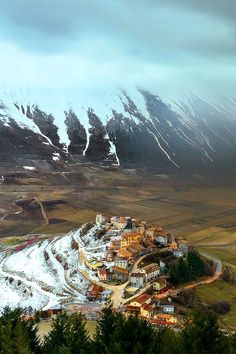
(162, 239)
(100, 220)
(94, 292)
(103, 274)
(53, 312)
(177, 252)
(146, 310)
(93, 264)
(106, 294)
(136, 250)
(116, 244)
(137, 280)
(130, 238)
(124, 253)
(152, 231)
(120, 274)
(159, 284)
(120, 222)
(121, 262)
(166, 308)
(183, 246)
(140, 300)
(109, 255)
(151, 271)
(132, 310)
(164, 319)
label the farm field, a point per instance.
(219, 291)
(201, 210)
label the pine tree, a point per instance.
(105, 329)
(16, 335)
(202, 335)
(68, 335)
(133, 335)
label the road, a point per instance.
(117, 290)
(218, 272)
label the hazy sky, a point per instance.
(169, 45)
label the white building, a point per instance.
(121, 262)
(137, 280)
(100, 220)
(151, 271)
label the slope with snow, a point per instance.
(128, 128)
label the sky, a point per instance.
(167, 46)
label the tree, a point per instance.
(133, 335)
(202, 335)
(68, 335)
(17, 336)
(105, 329)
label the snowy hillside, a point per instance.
(42, 275)
(133, 128)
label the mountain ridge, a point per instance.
(190, 134)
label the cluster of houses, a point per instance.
(151, 308)
(133, 240)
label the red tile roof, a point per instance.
(141, 299)
(120, 270)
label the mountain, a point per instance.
(131, 130)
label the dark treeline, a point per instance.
(187, 269)
(115, 334)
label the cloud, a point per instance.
(147, 42)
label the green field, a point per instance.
(220, 291)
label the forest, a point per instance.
(115, 334)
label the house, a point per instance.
(120, 222)
(132, 310)
(120, 274)
(150, 246)
(53, 312)
(124, 253)
(93, 292)
(152, 231)
(137, 279)
(140, 300)
(164, 319)
(166, 308)
(130, 238)
(159, 284)
(100, 220)
(121, 262)
(106, 294)
(93, 264)
(103, 274)
(177, 252)
(151, 271)
(183, 246)
(163, 238)
(109, 255)
(136, 250)
(146, 310)
(116, 244)
(162, 266)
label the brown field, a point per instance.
(202, 210)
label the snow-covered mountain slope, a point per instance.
(131, 129)
(47, 273)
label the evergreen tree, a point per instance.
(17, 336)
(68, 335)
(133, 335)
(202, 335)
(105, 329)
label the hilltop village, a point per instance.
(122, 257)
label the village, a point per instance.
(125, 272)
